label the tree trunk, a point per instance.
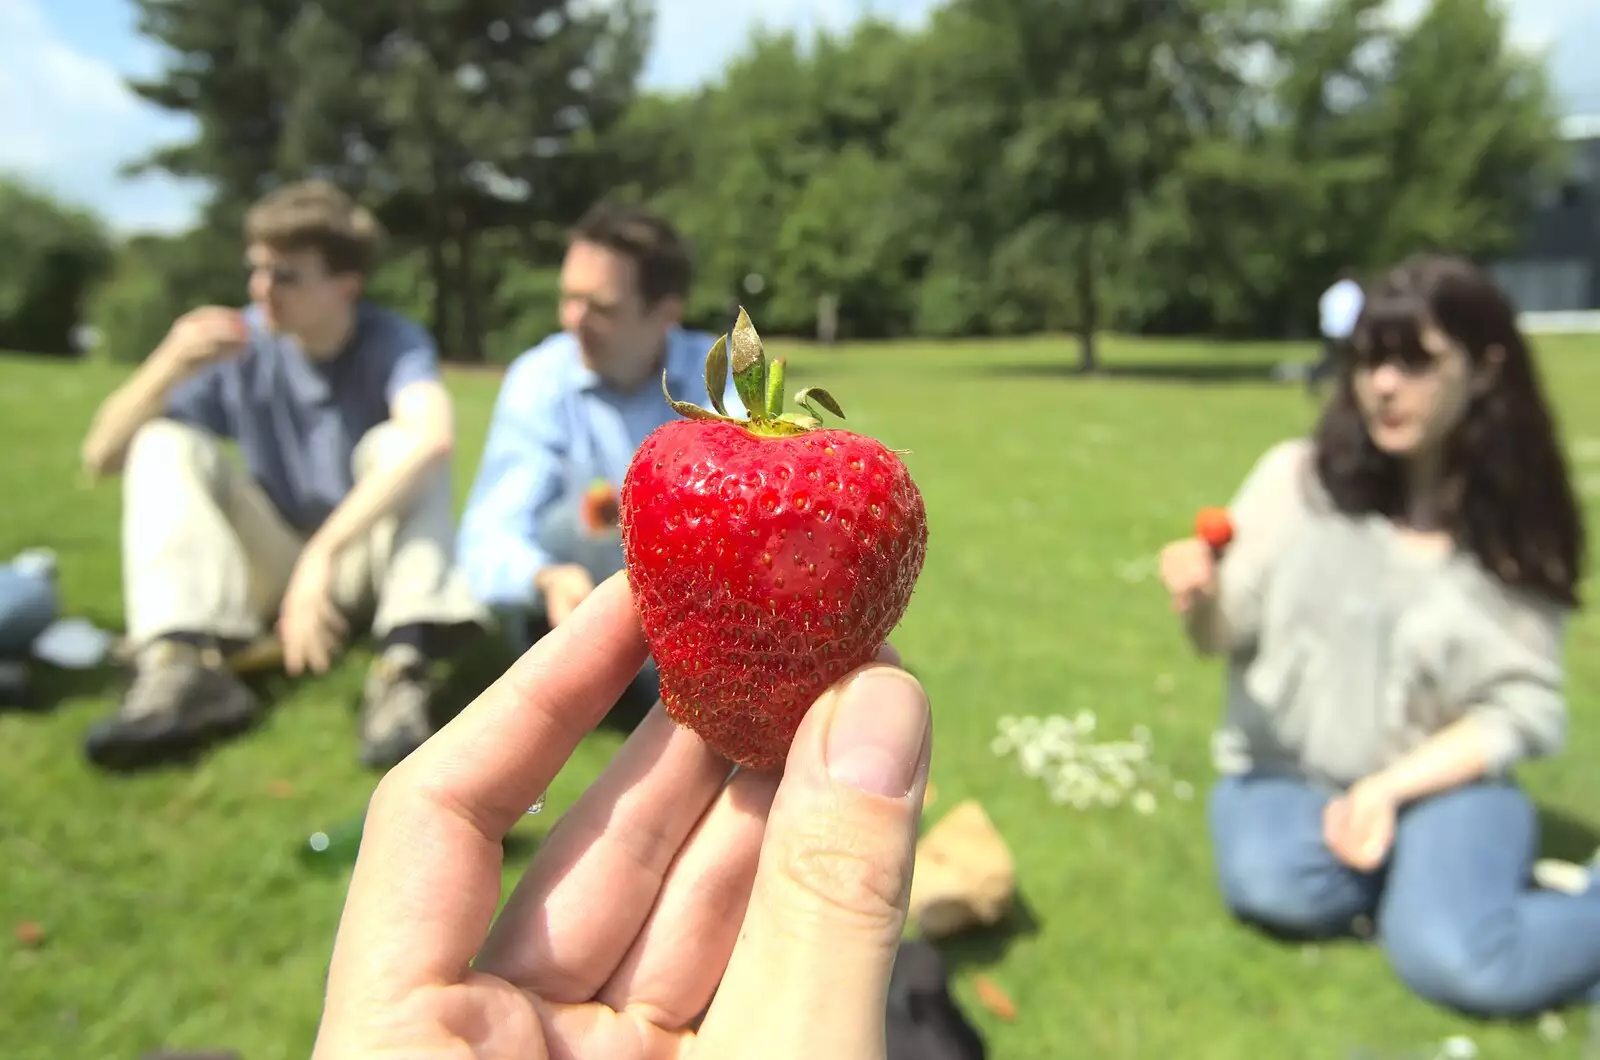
(1088, 308)
(439, 271)
(471, 348)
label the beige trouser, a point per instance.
(204, 550)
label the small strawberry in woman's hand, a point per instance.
(1214, 527)
(768, 556)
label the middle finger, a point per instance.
(333, 620)
(595, 879)
(675, 965)
(673, 968)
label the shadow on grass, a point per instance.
(1561, 836)
(475, 664)
(520, 846)
(481, 660)
(1196, 373)
(984, 948)
(1564, 836)
(49, 687)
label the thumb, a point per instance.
(810, 972)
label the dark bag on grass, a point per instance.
(924, 1021)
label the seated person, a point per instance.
(342, 512)
(27, 609)
(27, 602)
(570, 415)
(1392, 611)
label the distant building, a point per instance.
(1554, 276)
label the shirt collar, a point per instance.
(684, 362)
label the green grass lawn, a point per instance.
(178, 915)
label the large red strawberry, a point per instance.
(768, 556)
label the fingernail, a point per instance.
(875, 741)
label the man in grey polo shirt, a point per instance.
(340, 515)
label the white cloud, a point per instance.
(70, 121)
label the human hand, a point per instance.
(564, 586)
(204, 335)
(1358, 826)
(1189, 572)
(667, 888)
(310, 626)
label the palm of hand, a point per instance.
(617, 936)
(666, 884)
(491, 1018)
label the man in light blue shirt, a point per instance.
(1338, 310)
(538, 534)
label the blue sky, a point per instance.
(69, 121)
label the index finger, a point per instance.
(427, 879)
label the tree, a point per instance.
(1364, 141)
(1469, 130)
(55, 254)
(1274, 199)
(1038, 128)
(783, 168)
(451, 118)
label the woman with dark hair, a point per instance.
(1391, 610)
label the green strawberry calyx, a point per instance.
(759, 383)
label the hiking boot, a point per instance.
(395, 706)
(181, 699)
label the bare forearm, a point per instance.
(129, 407)
(381, 492)
(1453, 756)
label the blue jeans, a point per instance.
(562, 537)
(1453, 906)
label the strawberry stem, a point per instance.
(759, 384)
(774, 402)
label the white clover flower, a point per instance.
(1458, 1047)
(1033, 760)
(1183, 790)
(1552, 1028)
(1061, 753)
(1057, 746)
